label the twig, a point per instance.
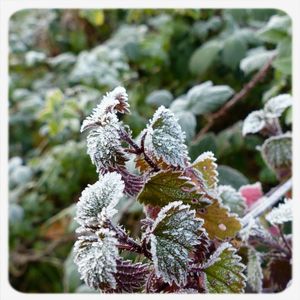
(265, 202)
(284, 240)
(259, 76)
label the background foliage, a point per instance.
(63, 61)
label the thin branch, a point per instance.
(259, 76)
(267, 201)
(284, 239)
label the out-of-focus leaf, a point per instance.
(254, 270)
(160, 97)
(230, 176)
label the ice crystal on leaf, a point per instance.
(277, 105)
(174, 233)
(113, 102)
(224, 271)
(104, 146)
(254, 122)
(105, 193)
(96, 259)
(254, 271)
(167, 186)
(281, 214)
(166, 138)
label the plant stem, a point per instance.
(259, 76)
(267, 201)
(284, 239)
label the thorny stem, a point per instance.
(259, 76)
(139, 150)
(284, 239)
(266, 201)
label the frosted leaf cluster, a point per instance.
(166, 138)
(105, 193)
(254, 270)
(96, 257)
(174, 232)
(224, 271)
(259, 119)
(281, 214)
(103, 141)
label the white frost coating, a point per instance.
(254, 270)
(174, 233)
(105, 193)
(96, 259)
(113, 102)
(281, 214)
(254, 122)
(166, 138)
(204, 156)
(277, 105)
(215, 256)
(104, 145)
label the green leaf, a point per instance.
(230, 176)
(203, 58)
(206, 166)
(207, 143)
(233, 199)
(234, 50)
(254, 270)
(188, 123)
(276, 106)
(160, 97)
(168, 186)
(218, 221)
(173, 235)
(256, 60)
(71, 278)
(224, 271)
(277, 153)
(283, 64)
(254, 122)
(206, 98)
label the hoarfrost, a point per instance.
(281, 214)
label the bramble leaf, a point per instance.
(218, 221)
(168, 186)
(207, 167)
(173, 235)
(166, 138)
(254, 270)
(224, 271)
(105, 193)
(281, 214)
(254, 122)
(277, 105)
(277, 152)
(96, 259)
(233, 199)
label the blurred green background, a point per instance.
(63, 61)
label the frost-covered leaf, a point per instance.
(104, 146)
(105, 193)
(206, 98)
(96, 257)
(188, 123)
(277, 153)
(207, 167)
(279, 273)
(230, 176)
(277, 105)
(130, 277)
(173, 235)
(281, 214)
(114, 101)
(251, 193)
(254, 122)
(233, 199)
(224, 271)
(160, 97)
(166, 138)
(218, 221)
(254, 270)
(168, 186)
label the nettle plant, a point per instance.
(193, 228)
